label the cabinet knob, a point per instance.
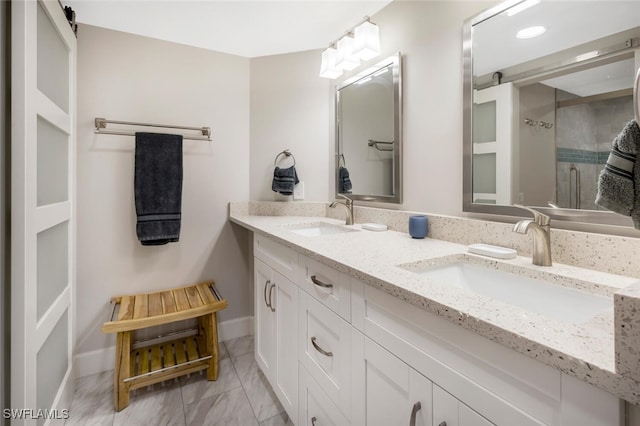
(319, 283)
(414, 412)
(319, 349)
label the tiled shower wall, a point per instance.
(584, 134)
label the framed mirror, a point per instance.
(369, 133)
(548, 85)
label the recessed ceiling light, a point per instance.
(531, 32)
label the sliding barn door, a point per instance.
(43, 241)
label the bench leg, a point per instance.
(122, 370)
(210, 325)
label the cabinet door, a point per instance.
(448, 411)
(316, 408)
(265, 344)
(386, 390)
(284, 302)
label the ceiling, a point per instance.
(244, 28)
(568, 24)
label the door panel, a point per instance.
(43, 60)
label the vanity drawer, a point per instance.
(330, 287)
(316, 408)
(325, 350)
(282, 259)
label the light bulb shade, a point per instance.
(366, 43)
(328, 67)
(346, 60)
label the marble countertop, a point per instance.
(585, 351)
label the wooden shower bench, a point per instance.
(143, 366)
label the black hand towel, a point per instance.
(284, 180)
(345, 186)
(158, 187)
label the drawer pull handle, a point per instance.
(414, 412)
(265, 293)
(319, 349)
(271, 301)
(320, 283)
(313, 421)
(443, 424)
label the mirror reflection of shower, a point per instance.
(582, 149)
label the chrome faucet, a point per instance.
(347, 204)
(540, 225)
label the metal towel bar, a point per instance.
(101, 124)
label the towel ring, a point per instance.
(286, 153)
(344, 162)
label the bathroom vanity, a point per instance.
(352, 329)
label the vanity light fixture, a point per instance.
(328, 67)
(346, 59)
(359, 43)
(366, 43)
(531, 32)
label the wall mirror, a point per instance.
(547, 87)
(369, 133)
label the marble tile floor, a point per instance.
(240, 397)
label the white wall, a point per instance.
(288, 110)
(291, 108)
(127, 77)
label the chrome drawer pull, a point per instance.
(416, 407)
(443, 424)
(313, 421)
(319, 349)
(271, 301)
(320, 283)
(265, 293)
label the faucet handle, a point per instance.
(349, 200)
(539, 218)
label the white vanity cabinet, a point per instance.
(276, 321)
(340, 352)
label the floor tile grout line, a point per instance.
(233, 365)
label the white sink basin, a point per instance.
(320, 228)
(534, 295)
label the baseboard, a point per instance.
(93, 362)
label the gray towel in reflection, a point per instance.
(619, 181)
(158, 187)
(344, 182)
(284, 180)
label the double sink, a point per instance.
(546, 293)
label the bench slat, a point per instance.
(167, 353)
(181, 357)
(205, 293)
(141, 307)
(182, 302)
(193, 296)
(155, 304)
(126, 308)
(168, 302)
(156, 358)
